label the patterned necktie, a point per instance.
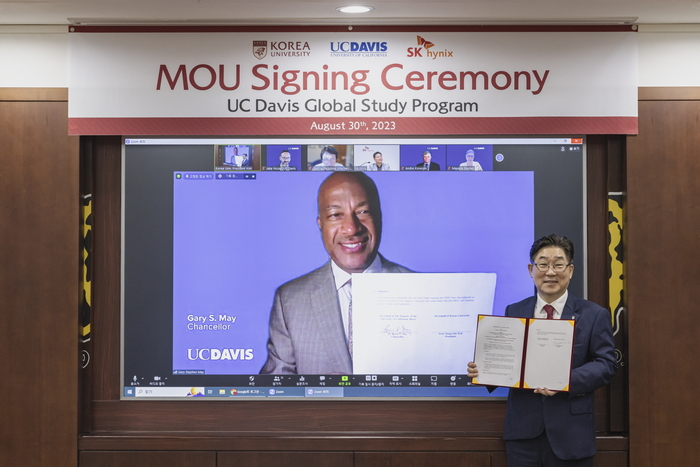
(549, 309)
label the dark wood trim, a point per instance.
(309, 442)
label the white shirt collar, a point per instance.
(341, 277)
(558, 305)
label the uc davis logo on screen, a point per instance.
(426, 47)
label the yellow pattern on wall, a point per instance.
(616, 280)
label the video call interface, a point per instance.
(212, 227)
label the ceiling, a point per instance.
(313, 12)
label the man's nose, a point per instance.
(352, 225)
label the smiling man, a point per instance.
(378, 163)
(549, 428)
(311, 317)
(285, 159)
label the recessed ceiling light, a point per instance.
(355, 9)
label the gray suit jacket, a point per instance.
(306, 326)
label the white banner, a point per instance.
(379, 83)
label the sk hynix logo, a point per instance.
(426, 46)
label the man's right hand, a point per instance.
(472, 371)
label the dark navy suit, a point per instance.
(567, 417)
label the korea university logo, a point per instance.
(426, 49)
(259, 49)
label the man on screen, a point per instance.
(246, 161)
(285, 159)
(549, 428)
(427, 163)
(311, 317)
(378, 163)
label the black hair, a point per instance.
(329, 150)
(556, 241)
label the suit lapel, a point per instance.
(526, 310)
(571, 310)
(326, 311)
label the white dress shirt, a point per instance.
(344, 289)
(558, 305)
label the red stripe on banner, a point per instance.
(402, 126)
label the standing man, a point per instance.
(378, 163)
(311, 317)
(549, 428)
(427, 163)
(246, 161)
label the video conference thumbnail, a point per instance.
(354, 157)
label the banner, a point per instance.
(352, 83)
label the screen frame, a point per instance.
(582, 258)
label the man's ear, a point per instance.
(318, 222)
(529, 268)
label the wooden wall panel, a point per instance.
(39, 295)
(147, 459)
(105, 157)
(611, 459)
(663, 270)
(286, 459)
(422, 459)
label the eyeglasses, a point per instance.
(558, 267)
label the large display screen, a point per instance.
(236, 254)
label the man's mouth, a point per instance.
(354, 246)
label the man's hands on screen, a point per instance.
(545, 392)
(472, 372)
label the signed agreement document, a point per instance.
(417, 323)
(524, 353)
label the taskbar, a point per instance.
(199, 377)
(308, 392)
